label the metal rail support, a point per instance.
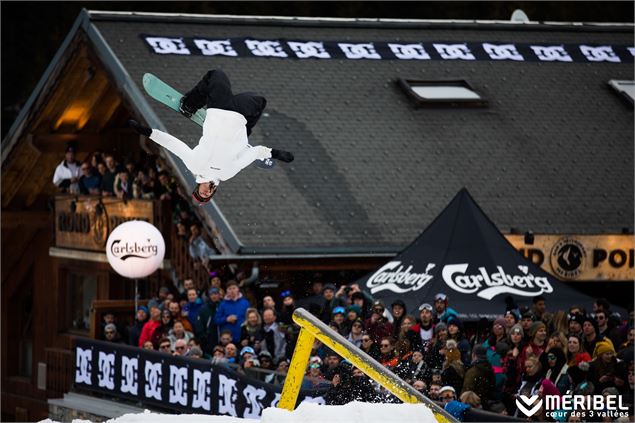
(311, 328)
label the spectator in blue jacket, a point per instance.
(443, 312)
(194, 305)
(231, 311)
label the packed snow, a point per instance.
(354, 412)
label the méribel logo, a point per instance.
(528, 405)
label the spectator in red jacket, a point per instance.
(150, 326)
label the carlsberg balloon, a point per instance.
(135, 249)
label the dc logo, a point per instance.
(528, 405)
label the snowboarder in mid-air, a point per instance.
(223, 149)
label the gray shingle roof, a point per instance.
(553, 152)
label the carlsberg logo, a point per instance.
(128, 250)
(488, 285)
(394, 277)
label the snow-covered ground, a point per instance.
(354, 412)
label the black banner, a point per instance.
(172, 382)
(471, 51)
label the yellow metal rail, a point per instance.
(311, 328)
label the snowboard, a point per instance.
(170, 97)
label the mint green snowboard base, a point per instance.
(167, 95)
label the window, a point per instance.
(625, 88)
(82, 290)
(453, 93)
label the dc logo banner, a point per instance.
(599, 54)
(552, 53)
(176, 383)
(309, 49)
(215, 47)
(528, 405)
(170, 44)
(164, 45)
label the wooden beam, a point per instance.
(56, 143)
(28, 218)
(15, 173)
(12, 259)
(18, 272)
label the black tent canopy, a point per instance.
(463, 255)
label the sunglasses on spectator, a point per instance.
(164, 346)
(551, 357)
(180, 348)
(600, 317)
(447, 397)
(314, 366)
(365, 339)
(109, 332)
(357, 324)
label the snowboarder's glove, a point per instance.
(282, 155)
(143, 130)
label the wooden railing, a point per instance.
(59, 371)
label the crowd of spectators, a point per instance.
(486, 365)
(523, 352)
(102, 174)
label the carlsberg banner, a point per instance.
(396, 277)
(463, 255)
(174, 383)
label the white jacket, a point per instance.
(222, 151)
(67, 171)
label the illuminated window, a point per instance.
(625, 88)
(454, 93)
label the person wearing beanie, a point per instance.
(604, 371)
(547, 387)
(352, 312)
(604, 346)
(480, 377)
(328, 302)
(440, 327)
(205, 327)
(433, 351)
(511, 318)
(516, 343)
(494, 358)
(455, 331)
(536, 345)
(356, 333)
(453, 370)
(531, 379)
(591, 333)
(575, 323)
(134, 331)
